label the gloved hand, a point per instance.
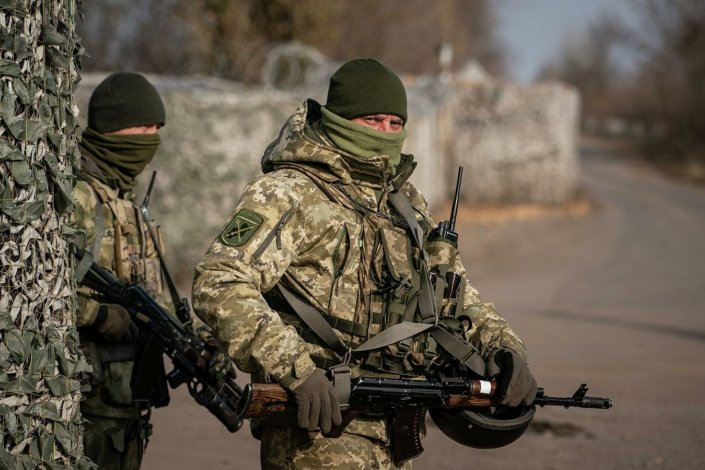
(115, 324)
(317, 403)
(515, 384)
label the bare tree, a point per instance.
(663, 96)
(407, 34)
(672, 42)
(587, 61)
(230, 38)
(40, 362)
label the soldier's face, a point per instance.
(150, 129)
(381, 122)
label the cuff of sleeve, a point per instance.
(88, 310)
(301, 369)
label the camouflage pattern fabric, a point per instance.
(322, 251)
(290, 448)
(131, 255)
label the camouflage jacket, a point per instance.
(286, 228)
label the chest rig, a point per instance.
(408, 316)
(122, 240)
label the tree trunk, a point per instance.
(40, 362)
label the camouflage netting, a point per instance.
(40, 361)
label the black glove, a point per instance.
(515, 384)
(115, 324)
(317, 403)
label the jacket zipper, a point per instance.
(339, 268)
(276, 232)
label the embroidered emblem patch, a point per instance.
(241, 228)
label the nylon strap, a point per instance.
(99, 223)
(340, 376)
(313, 319)
(461, 350)
(83, 266)
(427, 305)
(180, 305)
(394, 334)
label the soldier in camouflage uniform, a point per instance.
(334, 226)
(124, 116)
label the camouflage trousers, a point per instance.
(292, 448)
(115, 443)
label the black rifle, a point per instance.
(405, 402)
(188, 353)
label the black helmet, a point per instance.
(484, 428)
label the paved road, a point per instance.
(614, 298)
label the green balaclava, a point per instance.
(121, 101)
(363, 87)
(362, 141)
(118, 159)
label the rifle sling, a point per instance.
(180, 306)
(84, 264)
(313, 319)
(463, 351)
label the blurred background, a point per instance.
(505, 88)
(580, 126)
(637, 64)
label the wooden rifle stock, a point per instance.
(263, 399)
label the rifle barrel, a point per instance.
(572, 402)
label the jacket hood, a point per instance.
(299, 142)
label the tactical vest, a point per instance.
(394, 260)
(122, 241)
(123, 244)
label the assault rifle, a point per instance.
(405, 402)
(188, 353)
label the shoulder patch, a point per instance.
(241, 228)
